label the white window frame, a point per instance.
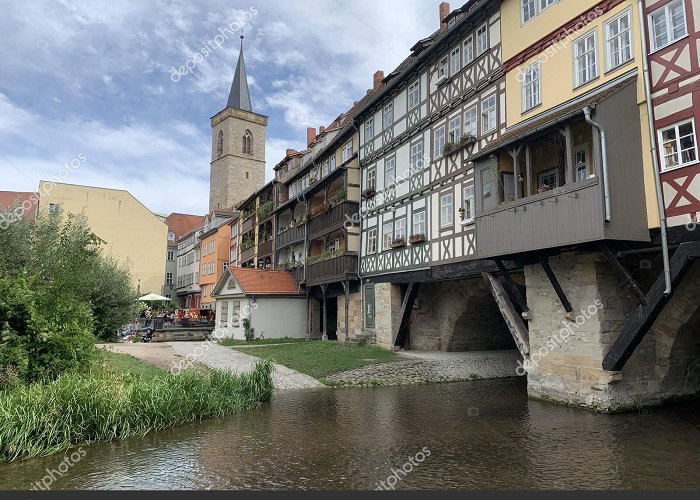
(388, 115)
(416, 156)
(455, 60)
(482, 40)
(332, 162)
(468, 203)
(369, 129)
(400, 228)
(583, 57)
(372, 240)
(621, 35)
(468, 52)
(168, 278)
(371, 178)
(489, 113)
(54, 208)
(532, 86)
(471, 115)
(454, 129)
(346, 152)
(438, 141)
(413, 95)
(171, 255)
(419, 222)
(679, 151)
(443, 69)
(389, 166)
(535, 8)
(387, 236)
(446, 210)
(667, 26)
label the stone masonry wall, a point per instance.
(567, 354)
(458, 315)
(355, 315)
(388, 306)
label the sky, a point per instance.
(119, 94)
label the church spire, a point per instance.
(239, 97)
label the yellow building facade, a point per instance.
(578, 47)
(133, 235)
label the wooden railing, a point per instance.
(248, 223)
(265, 248)
(289, 236)
(331, 269)
(334, 217)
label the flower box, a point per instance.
(467, 140)
(416, 238)
(398, 243)
(369, 193)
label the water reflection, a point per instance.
(482, 434)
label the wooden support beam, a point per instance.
(544, 262)
(324, 335)
(406, 308)
(513, 288)
(510, 315)
(641, 321)
(622, 272)
(346, 289)
(528, 169)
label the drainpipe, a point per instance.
(604, 154)
(654, 160)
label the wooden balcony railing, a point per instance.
(248, 223)
(334, 218)
(293, 235)
(248, 253)
(265, 248)
(334, 269)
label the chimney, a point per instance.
(378, 77)
(290, 152)
(444, 12)
(310, 135)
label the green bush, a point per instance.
(78, 409)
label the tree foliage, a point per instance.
(57, 291)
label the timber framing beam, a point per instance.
(406, 308)
(510, 315)
(643, 318)
(622, 272)
(512, 287)
(544, 262)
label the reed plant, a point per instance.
(75, 409)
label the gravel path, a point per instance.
(430, 366)
(226, 358)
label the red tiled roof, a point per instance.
(10, 199)
(267, 281)
(183, 224)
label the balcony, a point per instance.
(333, 269)
(265, 248)
(248, 223)
(333, 218)
(298, 273)
(248, 253)
(290, 236)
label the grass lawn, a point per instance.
(116, 364)
(321, 358)
(238, 342)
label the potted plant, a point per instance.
(416, 238)
(467, 139)
(398, 242)
(450, 146)
(369, 193)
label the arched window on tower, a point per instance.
(220, 144)
(248, 143)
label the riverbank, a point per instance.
(106, 404)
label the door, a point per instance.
(508, 180)
(489, 194)
(369, 305)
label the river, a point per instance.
(482, 434)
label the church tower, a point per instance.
(238, 146)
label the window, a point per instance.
(438, 142)
(168, 278)
(417, 157)
(667, 24)
(532, 8)
(400, 228)
(532, 95)
(224, 313)
(470, 121)
(333, 245)
(455, 129)
(388, 115)
(204, 269)
(468, 50)
(326, 170)
(414, 95)
(548, 179)
(220, 144)
(468, 203)
(419, 222)
(443, 69)
(482, 39)
(248, 142)
(171, 236)
(488, 114)
(171, 255)
(372, 240)
(679, 145)
(332, 166)
(455, 61)
(446, 212)
(581, 162)
(389, 171)
(235, 313)
(212, 246)
(372, 178)
(54, 208)
(618, 40)
(211, 268)
(387, 234)
(369, 129)
(225, 265)
(585, 59)
(346, 152)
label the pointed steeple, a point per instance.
(239, 97)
